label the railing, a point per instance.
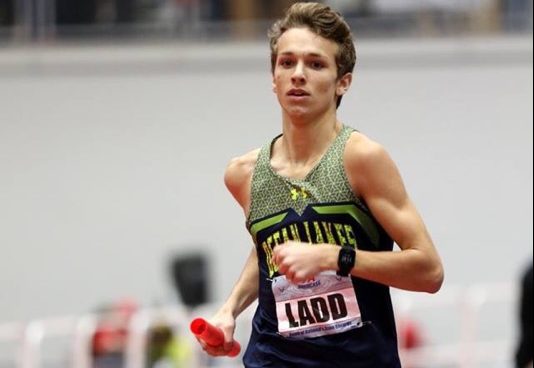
(35, 21)
(480, 322)
(476, 341)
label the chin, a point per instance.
(299, 116)
(297, 111)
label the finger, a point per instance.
(228, 346)
(215, 351)
(276, 256)
(302, 277)
(228, 339)
(211, 350)
(275, 259)
(297, 280)
(289, 276)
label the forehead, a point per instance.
(304, 41)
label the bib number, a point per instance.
(324, 306)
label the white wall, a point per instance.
(111, 159)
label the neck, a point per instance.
(305, 142)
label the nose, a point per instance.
(298, 77)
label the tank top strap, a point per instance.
(338, 146)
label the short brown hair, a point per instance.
(323, 21)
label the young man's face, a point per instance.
(305, 76)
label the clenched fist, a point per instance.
(301, 262)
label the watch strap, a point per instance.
(346, 260)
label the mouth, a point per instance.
(297, 93)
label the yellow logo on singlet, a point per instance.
(297, 193)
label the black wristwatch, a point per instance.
(346, 260)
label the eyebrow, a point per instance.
(312, 54)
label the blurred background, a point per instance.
(118, 117)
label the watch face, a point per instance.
(346, 260)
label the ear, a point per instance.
(343, 84)
(274, 84)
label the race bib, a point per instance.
(325, 306)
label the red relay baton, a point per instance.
(212, 335)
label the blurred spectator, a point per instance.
(523, 357)
(167, 349)
(273, 9)
(109, 339)
(242, 10)
(246, 14)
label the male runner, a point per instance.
(324, 205)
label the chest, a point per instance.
(289, 170)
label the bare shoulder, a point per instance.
(362, 152)
(241, 167)
(238, 176)
(367, 163)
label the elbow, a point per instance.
(435, 280)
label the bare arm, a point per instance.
(243, 294)
(237, 179)
(374, 176)
(245, 290)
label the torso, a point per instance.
(315, 204)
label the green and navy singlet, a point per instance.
(330, 321)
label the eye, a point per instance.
(285, 62)
(316, 65)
